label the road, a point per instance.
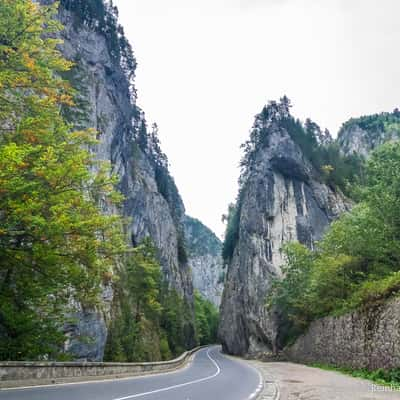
(210, 376)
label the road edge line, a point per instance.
(165, 389)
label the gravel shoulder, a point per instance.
(289, 381)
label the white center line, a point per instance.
(133, 396)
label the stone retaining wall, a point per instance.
(20, 373)
(367, 338)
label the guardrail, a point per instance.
(21, 373)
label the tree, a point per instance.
(142, 277)
(173, 319)
(290, 294)
(137, 311)
(55, 244)
(206, 320)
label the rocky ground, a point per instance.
(288, 381)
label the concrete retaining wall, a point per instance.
(367, 338)
(14, 374)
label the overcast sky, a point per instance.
(206, 67)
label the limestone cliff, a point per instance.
(103, 77)
(282, 198)
(205, 260)
(364, 134)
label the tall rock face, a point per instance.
(103, 77)
(282, 198)
(362, 135)
(205, 260)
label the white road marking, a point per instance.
(277, 394)
(133, 396)
(260, 384)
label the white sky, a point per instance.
(206, 67)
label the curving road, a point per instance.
(210, 376)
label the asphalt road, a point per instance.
(210, 376)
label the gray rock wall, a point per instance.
(105, 103)
(282, 200)
(205, 260)
(360, 141)
(368, 338)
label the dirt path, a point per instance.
(288, 381)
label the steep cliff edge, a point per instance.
(106, 100)
(205, 260)
(282, 198)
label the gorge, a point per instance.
(307, 248)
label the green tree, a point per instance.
(152, 320)
(206, 320)
(55, 244)
(291, 295)
(142, 277)
(138, 308)
(173, 319)
(382, 195)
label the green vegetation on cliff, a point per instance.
(375, 123)
(356, 263)
(335, 169)
(102, 17)
(152, 320)
(135, 333)
(231, 237)
(206, 320)
(200, 239)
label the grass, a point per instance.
(386, 377)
